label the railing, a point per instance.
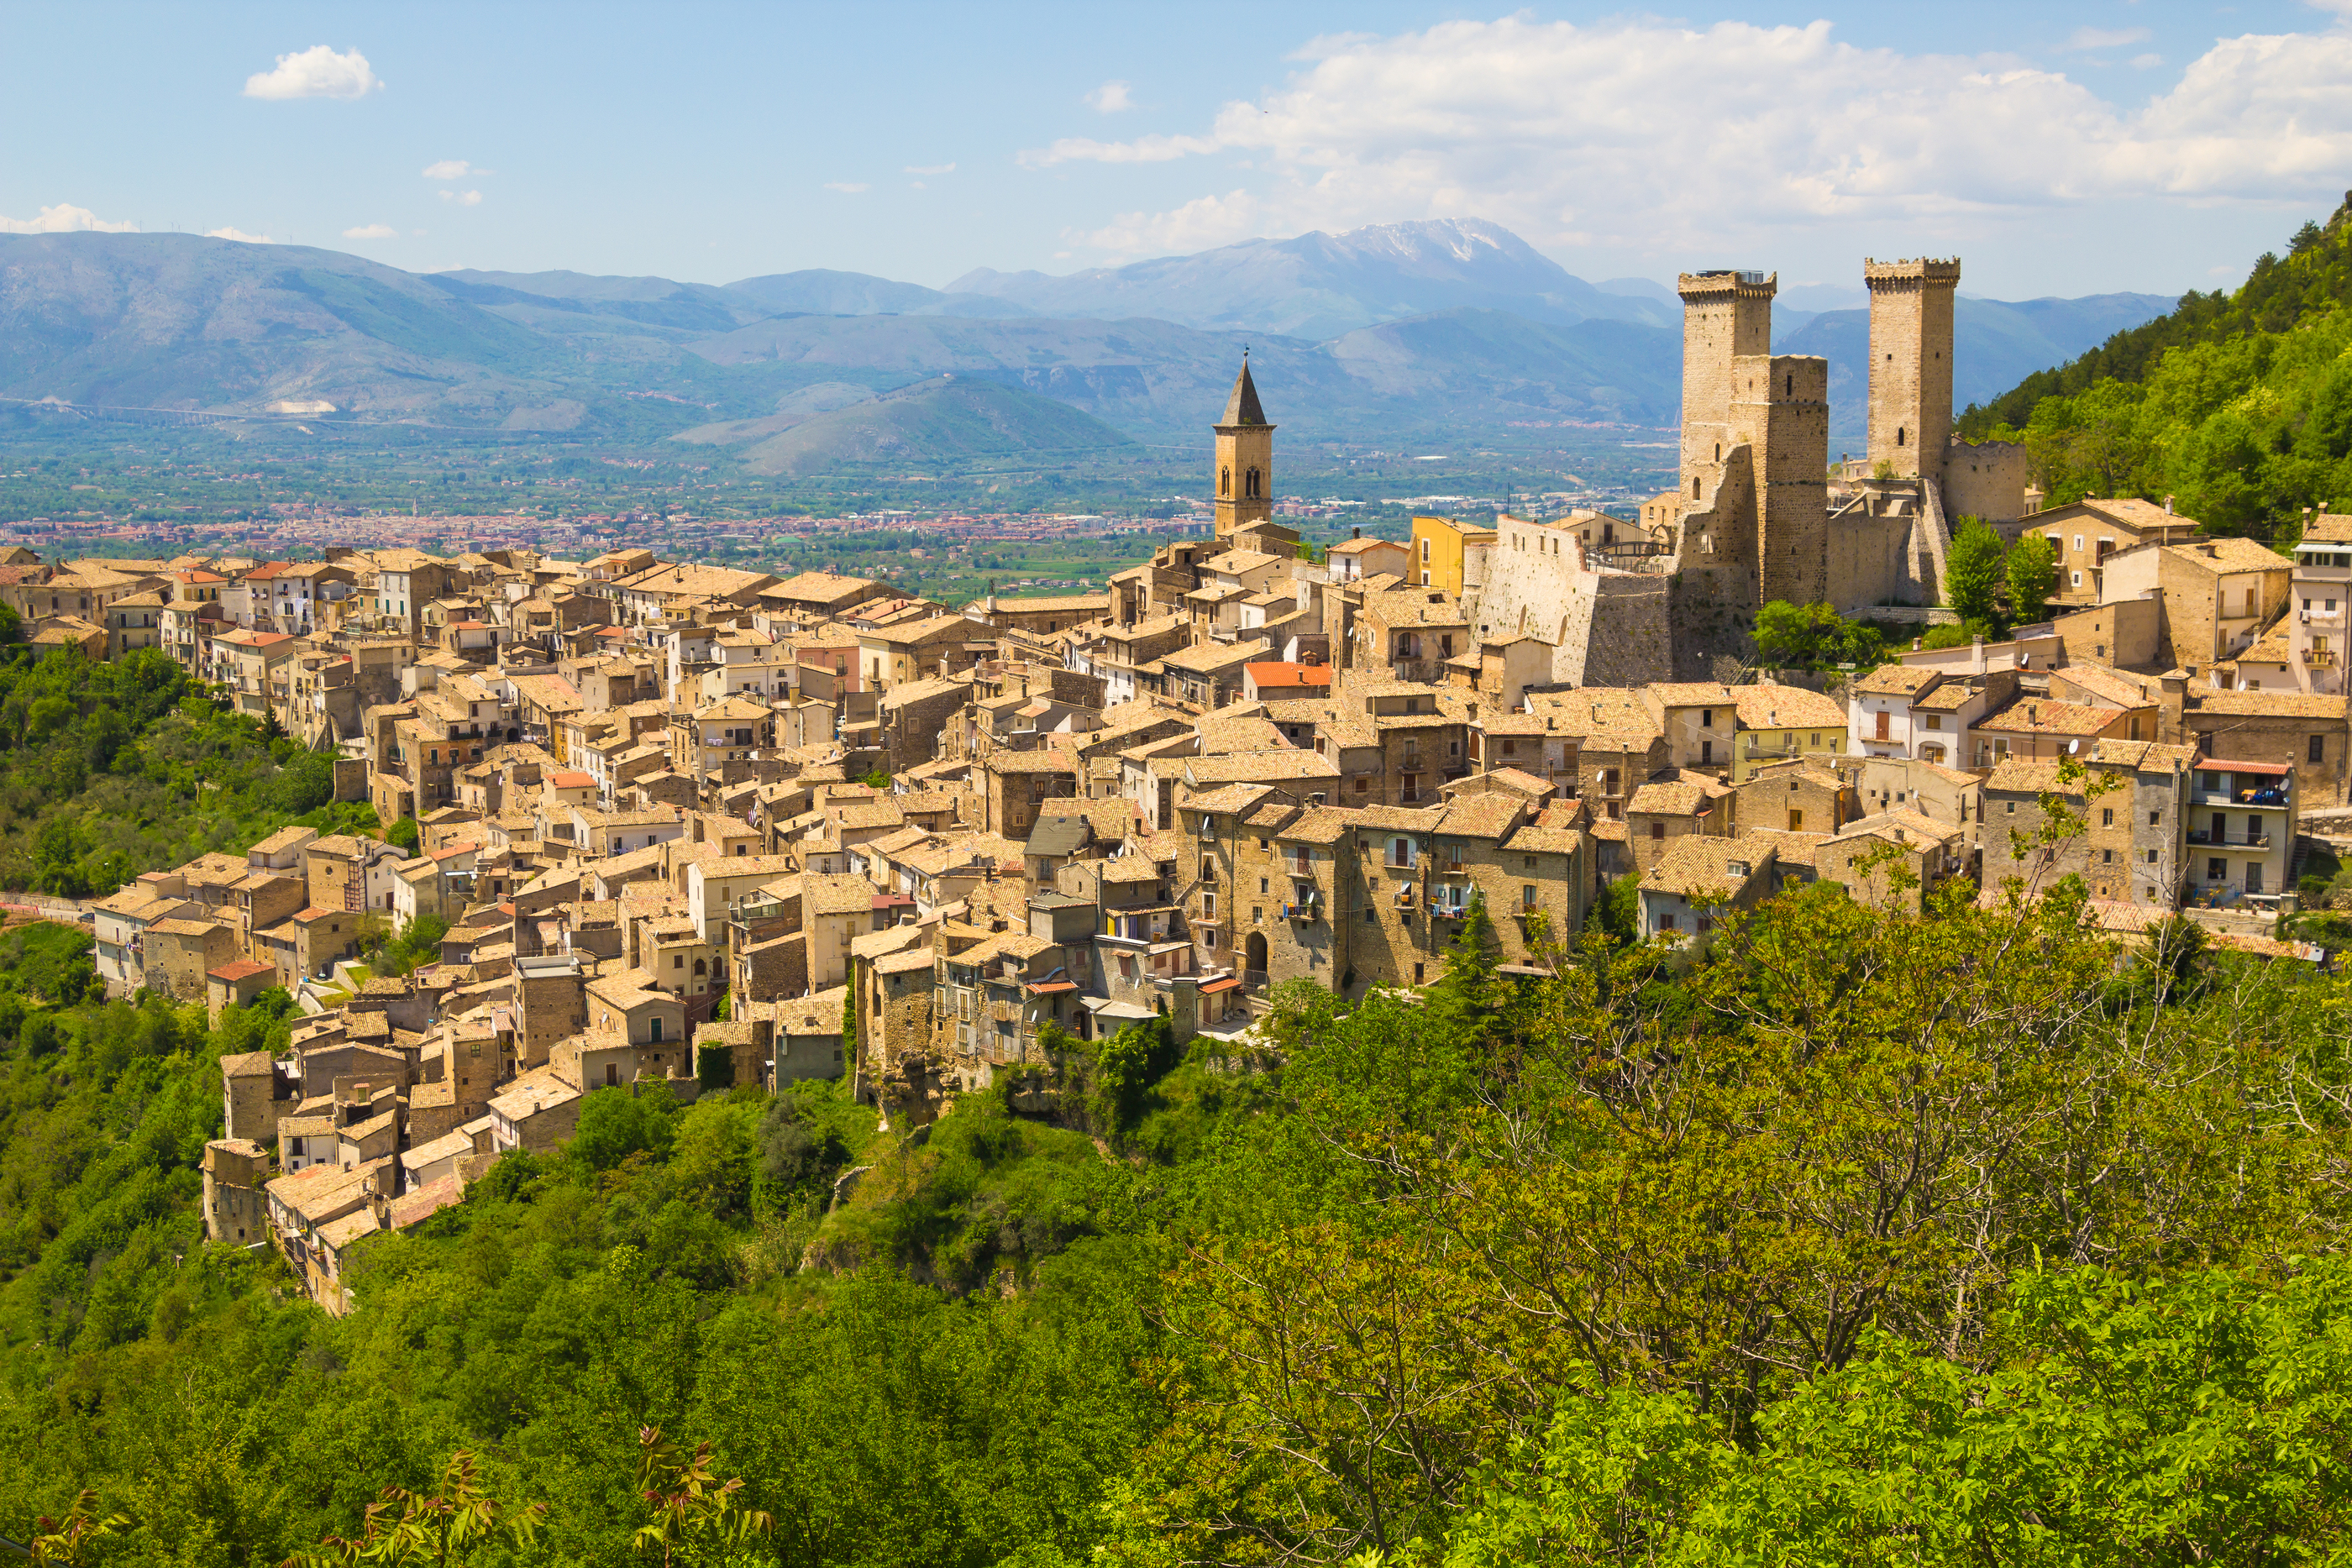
(2219, 841)
(1310, 909)
(1255, 980)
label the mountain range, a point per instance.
(1396, 333)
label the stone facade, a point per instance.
(1910, 365)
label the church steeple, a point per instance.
(1244, 468)
(1243, 407)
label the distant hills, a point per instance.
(946, 420)
(1397, 333)
(1322, 286)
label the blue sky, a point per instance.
(2058, 149)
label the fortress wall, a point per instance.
(1987, 479)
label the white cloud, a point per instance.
(1152, 148)
(64, 218)
(2146, 62)
(372, 231)
(463, 198)
(1110, 98)
(315, 72)
(2105, 37)
(239, 235)
(846, 187)
(1555, 131)
(451, 169)
(929, 169)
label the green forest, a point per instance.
(2236, 405)
(1860, 1238)
(109, 768)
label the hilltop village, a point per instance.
(702, 828)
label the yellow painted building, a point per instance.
(1777, 723)
(1439, 546)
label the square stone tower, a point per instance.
(1781, 408)
(1244, 465)
(1727, 316)
(1910, 364)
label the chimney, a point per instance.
(1919, 643)
(1976, 656)
(2167, 506)
(1356, 533)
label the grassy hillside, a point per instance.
(2238, 404)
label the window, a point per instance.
(2217, 870)
(1934, 721)
(2106, 857)
(1707, 718)
(1208, 906)
(1416, 974)
(2107, 816)
(2151, 857)
(1796, 819)
(2318, 752)
(1657, 829)
(2154, 819)
(1261, 884)
(2008, 807)
(2074, 578)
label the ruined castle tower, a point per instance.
(1910, 364)
(1781, 408)
(1726, 316)
(1755, 495)
(1244, 463)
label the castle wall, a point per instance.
(1629, 636)
(1711, 595)
(1987, 479)
(1910, 364)
(1869, 557)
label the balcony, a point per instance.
(2227, 840)
(1405, 897)
(1308, 909)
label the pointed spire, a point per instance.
(1243, 408)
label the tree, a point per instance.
(1813, 637)
(65, 1541)
(2032, 576)
(402, 834)
(1972, 573)
(1469, 997)
(437, 1529)
(696, 1515)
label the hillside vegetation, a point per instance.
(2238, 404)
(112, 768)
(1871, 1238)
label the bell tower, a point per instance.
(1242, 481)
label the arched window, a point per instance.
(701, 968)
(1792, 387)
(1899, 435)
(1256, 488)
(1693, 489)
(1224, 481)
